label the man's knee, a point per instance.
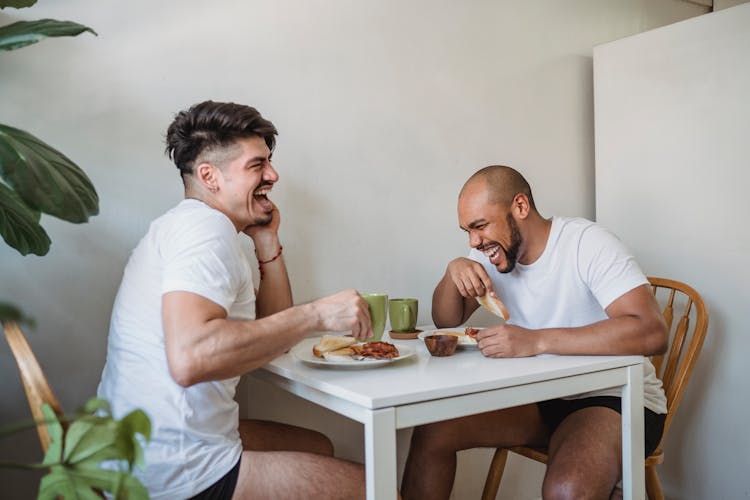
(432, 437)
(564, 487)
(321, 444)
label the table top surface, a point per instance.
(423, 377)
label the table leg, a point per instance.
(633, 479)
(380, 454)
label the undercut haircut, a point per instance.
(206, 131)
(503, 184)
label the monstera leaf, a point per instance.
(23, 33)
(17, 4)
(39, 179)
(75, 455)
(19, 225)
(44, 178)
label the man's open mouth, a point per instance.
(491, 251)
(261, 198)
(262, 193)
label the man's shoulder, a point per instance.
(572, 224)
(192, 216)
(579, 228)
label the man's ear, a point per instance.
(207, 176)
(521, 206)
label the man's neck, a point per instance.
(536, 235)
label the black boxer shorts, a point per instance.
(223, 489)
(554, 411)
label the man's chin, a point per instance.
(264, 221)
(505, 269)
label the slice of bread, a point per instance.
(493, 304)
(339, 355)
(330, 343)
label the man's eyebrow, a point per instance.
(474, 224)
(258, 159)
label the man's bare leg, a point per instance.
(285, 461)
(263, 435)
(431, 466)
(281, 475)
(585, 456)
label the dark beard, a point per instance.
(511, 254)
(263, 221)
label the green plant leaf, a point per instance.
(86, 440)
(19, 225)
(119, 441)
(16, 4)
(54, 452)
(70, 483)
(75, 457)
(23, 33)
(135, 422)
(132, 489)
(97, 404)
(56, 483)
(9, 312)
(45, 178)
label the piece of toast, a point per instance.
(493, 304)
(330, 343)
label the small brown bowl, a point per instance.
(441, 345)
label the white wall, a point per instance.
(672, 179)
(384, 109)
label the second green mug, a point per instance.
(403, 314)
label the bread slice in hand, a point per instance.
(493, 304)
(331, 343)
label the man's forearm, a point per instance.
(616, 336)
(221, 348)
(447, 304)
(274, 291)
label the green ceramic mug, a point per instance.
(378, 304)
(403, 314)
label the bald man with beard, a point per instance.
(571, 287)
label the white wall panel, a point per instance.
(673, 181)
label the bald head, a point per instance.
(502, 184)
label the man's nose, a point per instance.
(270, 174)
(474, 239)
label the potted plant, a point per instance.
(90, 452)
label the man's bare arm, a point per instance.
(203, 344)
(454, 299)
(635, 326)
(274, 291)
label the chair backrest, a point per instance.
(685, 341)
(38, 390)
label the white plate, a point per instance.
(464, 341)
(303, 352)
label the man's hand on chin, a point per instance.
(265, 229)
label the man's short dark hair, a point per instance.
(209, 126)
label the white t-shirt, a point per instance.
(194, 440)
(582, 270)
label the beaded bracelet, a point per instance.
(261, 262)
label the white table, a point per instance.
(427, 389)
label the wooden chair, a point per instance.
(684, 346)
(38, 390)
